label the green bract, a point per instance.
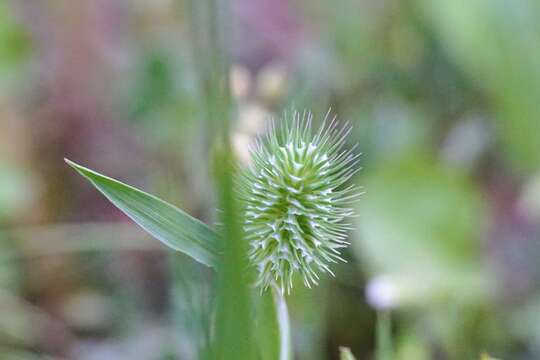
(296, 200)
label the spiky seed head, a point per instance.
(296, 200)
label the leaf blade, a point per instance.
(165, 222)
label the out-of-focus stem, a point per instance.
(233, 335)
(384, 335)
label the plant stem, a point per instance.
(384, 335)
(233, 333)
(285, 350)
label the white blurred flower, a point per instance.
(382, 293)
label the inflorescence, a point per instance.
(296, 200)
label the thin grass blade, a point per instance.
(165, 222)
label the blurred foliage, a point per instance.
(443, 97)
(423, 220)
(15, 191)
(346, 354)
(497, 43)
(15, 47)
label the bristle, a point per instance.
(295, 201)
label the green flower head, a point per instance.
(296, 200)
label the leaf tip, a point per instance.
(79, 168)
(72, 164)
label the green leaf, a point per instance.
(165, 222)
(346, 354)
(272, 326)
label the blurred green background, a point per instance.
(444, 97)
